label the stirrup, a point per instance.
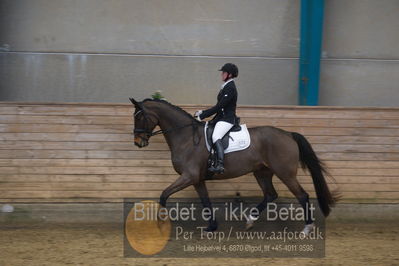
(218, 169)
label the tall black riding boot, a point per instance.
(219, 167)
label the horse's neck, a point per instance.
(179, 129)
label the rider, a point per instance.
(225, 110)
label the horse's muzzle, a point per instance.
(140, 142)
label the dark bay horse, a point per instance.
(272, 151)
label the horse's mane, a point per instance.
(177, 108)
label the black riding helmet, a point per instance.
(231, 69)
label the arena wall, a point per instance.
(85, 153)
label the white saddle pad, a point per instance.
(238, 141)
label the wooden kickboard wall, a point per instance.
(70, 152)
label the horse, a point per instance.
(273, 151)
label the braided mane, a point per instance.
(177, 108)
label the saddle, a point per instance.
(225, 140)
(236, 139)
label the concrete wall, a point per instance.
(361, 65)
(105, 51)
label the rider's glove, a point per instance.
(197, 115)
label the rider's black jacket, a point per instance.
(225, 108)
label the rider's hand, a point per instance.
(197, 115)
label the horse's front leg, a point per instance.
(206, 203)
(181, 183)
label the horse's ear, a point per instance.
(135, 103)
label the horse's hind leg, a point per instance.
(293, 185)
(264, 177)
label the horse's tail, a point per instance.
(310, 161)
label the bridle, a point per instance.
(145, 130)
(150, 133)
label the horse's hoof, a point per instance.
(212, 227)
(160, 223)
(249, 226)
(307, 229)
(250, 222)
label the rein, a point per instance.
(161, 131)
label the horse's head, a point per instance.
(144, 124)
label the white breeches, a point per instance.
(221, 128)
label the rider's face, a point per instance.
(224, 75)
